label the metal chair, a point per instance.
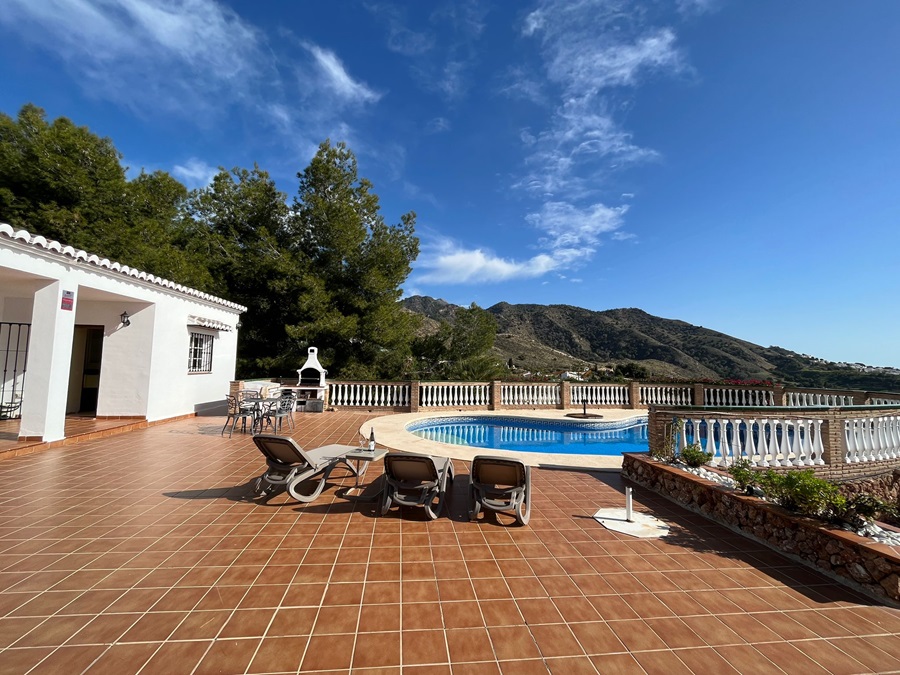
(237, 411)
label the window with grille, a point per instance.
(200, 355)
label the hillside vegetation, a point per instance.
(553, 338)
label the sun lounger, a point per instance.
(289, 465)
(416, 480)
(500, 484)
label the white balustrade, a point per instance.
(454, 394)
(737, 397)
(530, 394)
(368, 394)
(655, 394)
(763, 441)
(885, 401)
(870, 439)
(811, 399)
(600, 394)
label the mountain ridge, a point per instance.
(549, 339)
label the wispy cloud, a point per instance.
(195, 173)
(594, 53)
(437, 125)
(572, 234)
(199, 61)
(334, 77)
(401, 39)
(171, 54)
(441, 52)
(447, 262)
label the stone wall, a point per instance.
(871, 568)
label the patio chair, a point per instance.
(500, 484)
(289, 465)
(237, 411)
(416, 480)
(285, 409)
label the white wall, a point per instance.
(144, 370)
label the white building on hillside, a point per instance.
(79, 333)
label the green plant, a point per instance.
(803, 492)
(693, 455)
(665, 452)
(860, 508)
(743, 474)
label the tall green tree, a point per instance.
(460, 350)
(238, 226)
(356, 265)
(64, 182)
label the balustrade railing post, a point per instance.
(699, 394)
(565, 395)
(496, 395)
(414, 395)
(834, 440)
(778, 395)
(634, 395)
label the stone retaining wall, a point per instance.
(871, 568)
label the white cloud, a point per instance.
(195, 173)
(170, 54)
(448, 263)
(572, 233)
(197, 60)
(401, 39)
(437, 125)
(335, 77)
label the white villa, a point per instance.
(80, 333)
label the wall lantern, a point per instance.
(126, 320)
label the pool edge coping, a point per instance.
(390, 432)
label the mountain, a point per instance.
(553, 338)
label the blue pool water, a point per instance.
(527, 435)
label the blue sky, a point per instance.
(734, 164)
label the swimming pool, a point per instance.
(567, 437)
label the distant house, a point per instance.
(571, 375)
(80, 333)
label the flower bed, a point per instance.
(869, 567)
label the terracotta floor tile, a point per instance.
(69, 660)
(172, 657)
(282, 654)
(556, 640)
(469, 644)
(227, 657)
(377, 650)
(165, 559)
(662, 663)
(826, 654)
(124, 659)
(705, 660)
(618, 664)
(423, 647)
(789, 659)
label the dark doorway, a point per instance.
(90, 375)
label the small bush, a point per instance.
(803, 492)
(861, 508)
(693, 455)
(743, 474)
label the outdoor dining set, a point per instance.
(263, 409)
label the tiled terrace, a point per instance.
(135, 553)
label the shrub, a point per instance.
(743, 474)
(861, 508)
(693, 455)
(803, 492)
